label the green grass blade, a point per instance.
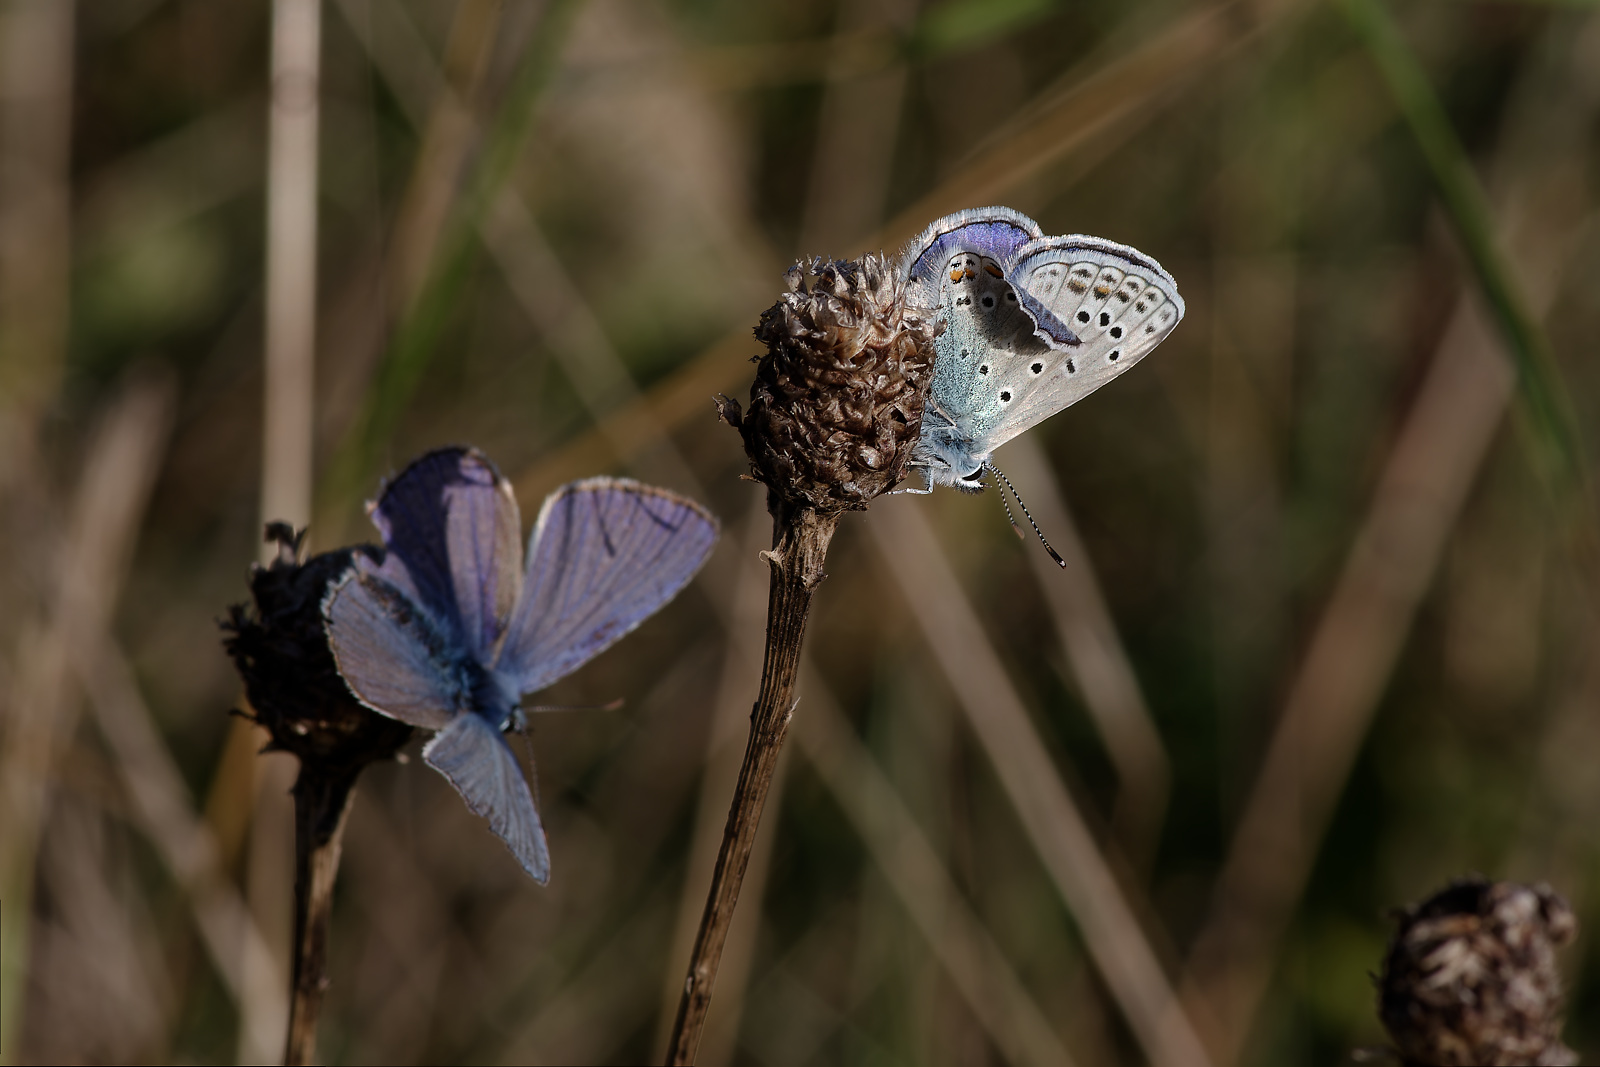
(417, 335)
(1547, 411)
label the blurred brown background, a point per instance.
(1323, 643)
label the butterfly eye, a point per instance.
(1071, 367)
(1105, 318)
(1005, 396)
(1083, 316)
(1115, 352)
(1011, 296)
(988, 301)
(1037, 368)
(1116, 331)
(983, 368)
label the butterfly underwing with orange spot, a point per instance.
(1032, 324)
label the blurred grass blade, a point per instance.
(962, 25)
(1336, 691)
(291, 311)
(1081, 107)
(1092, 646)
(163, 809)
(419, 331)
(107, 512)
(1122, 952)
(979, 970)
(1546, 409)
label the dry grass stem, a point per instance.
(107, 512)
(36, 92)
(1057, 120)
(976, 966)
(291, 301)
(1089, 638)
(800, 545)
(1330, 705)
(741, 672)
(1117, 944)
(165, 813)
(1432, 467)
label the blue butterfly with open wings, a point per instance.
(449, 632)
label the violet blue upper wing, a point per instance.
(453, 533)
(605, 554)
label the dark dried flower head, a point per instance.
(837, 402)
(1471, 976)
(281, 651)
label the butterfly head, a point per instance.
(492, 694)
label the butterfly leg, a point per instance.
(911, 490)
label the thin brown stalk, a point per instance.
(1115, 940)
(799, 547)
(741, 672)
(287, 426)
(321, 806)
(269, 890)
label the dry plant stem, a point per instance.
(321, 803)
(800, 545)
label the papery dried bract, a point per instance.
(281, 651)
(838, 398)
(1471, 977)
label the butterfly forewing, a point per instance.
(1118, 302)
(390, 653)
(474, 756)
(604, 555)
(451, 522)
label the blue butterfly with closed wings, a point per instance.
(448, 632)
(1032, 324)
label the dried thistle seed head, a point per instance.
(1471, 976)
(837, 402)
(280, 649)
